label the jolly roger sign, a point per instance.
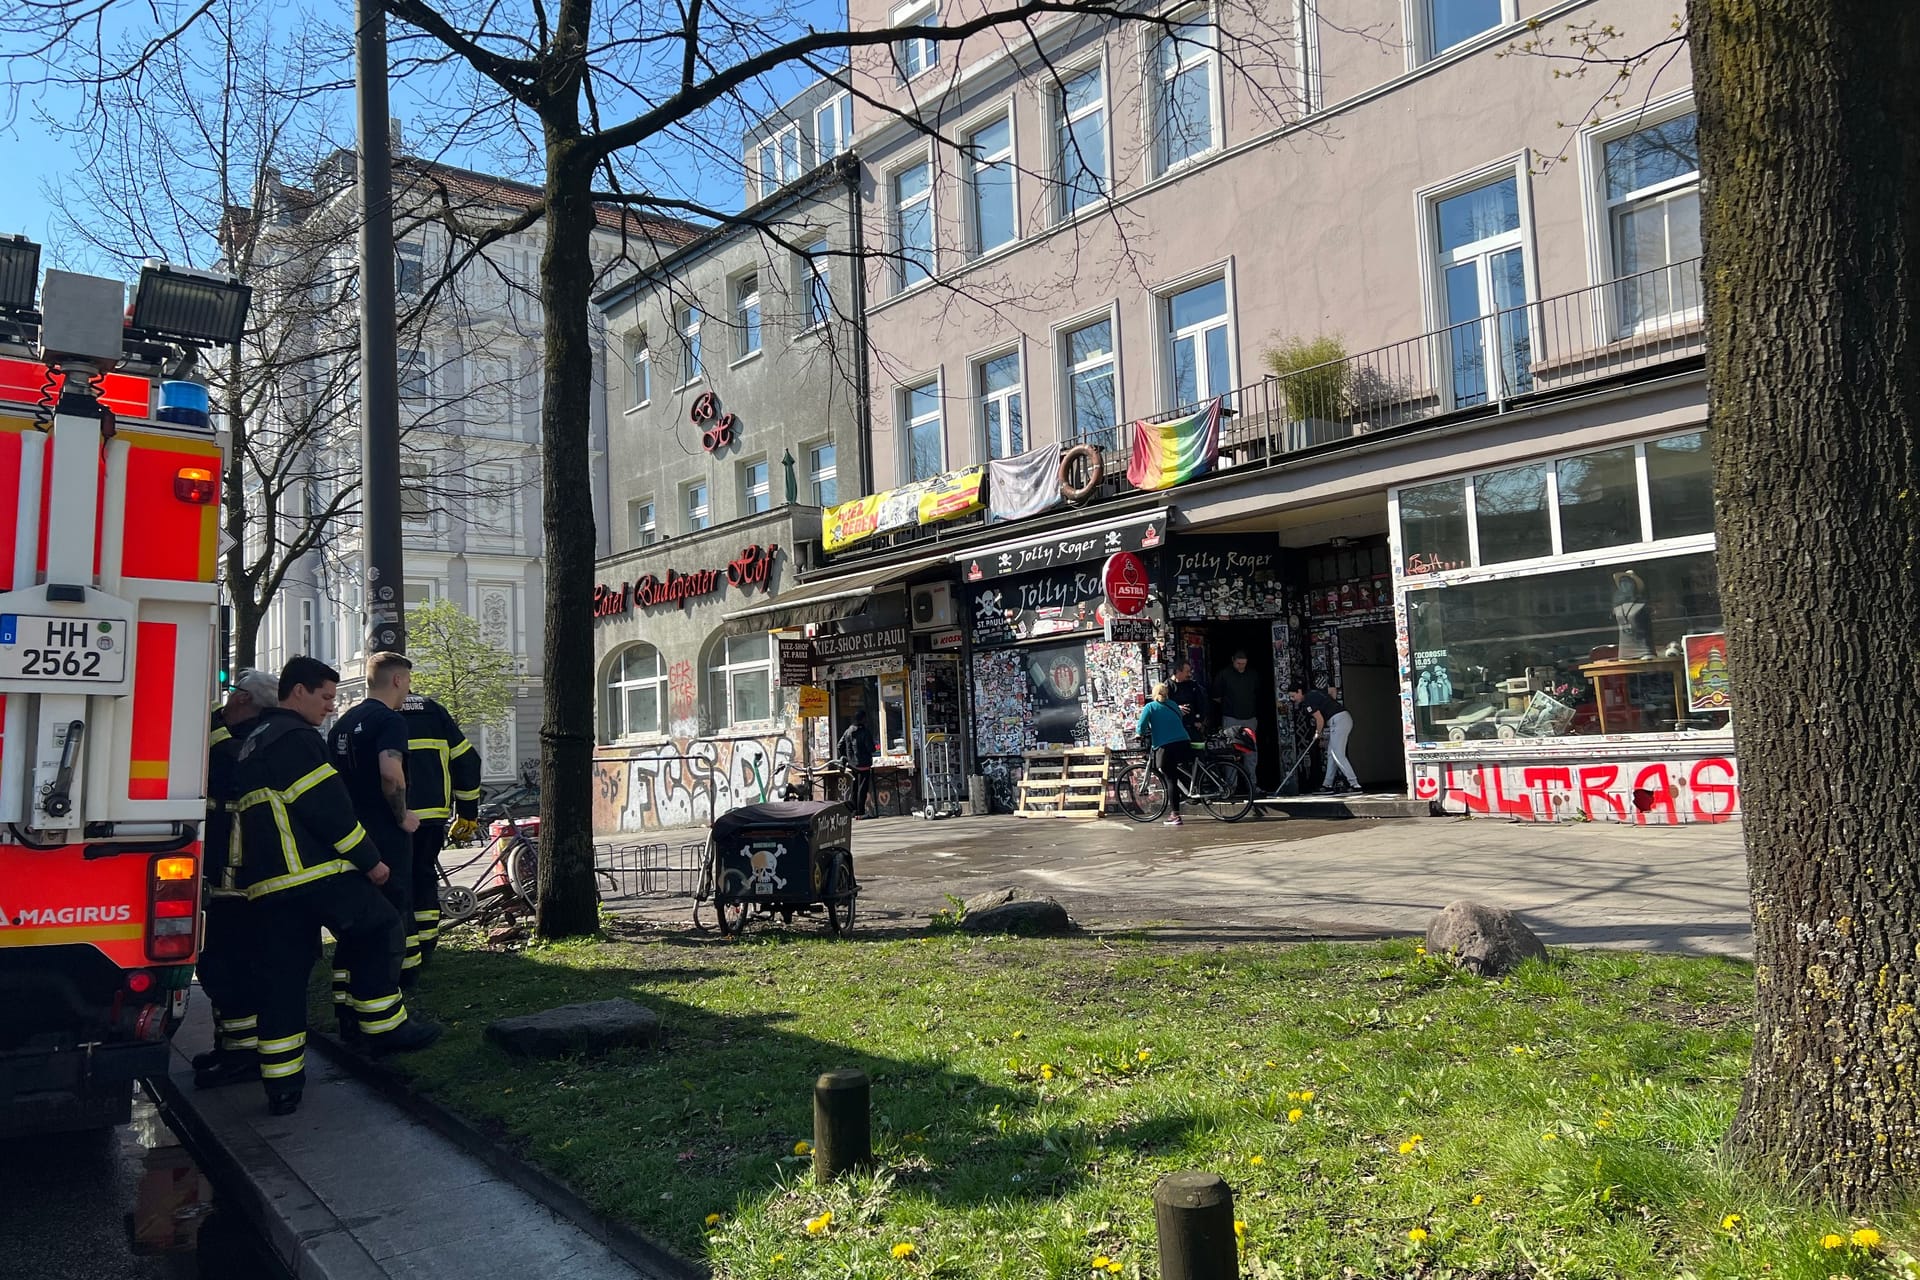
(1073, 547)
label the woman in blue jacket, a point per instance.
(1165, 734)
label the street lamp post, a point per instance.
(379, 377)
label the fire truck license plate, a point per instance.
(80, 649)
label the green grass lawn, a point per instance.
(1375, 1114)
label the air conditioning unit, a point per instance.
(932, 607)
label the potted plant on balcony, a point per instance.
(1316, 380)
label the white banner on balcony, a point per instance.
(1023, 485)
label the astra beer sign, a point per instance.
(753, 567)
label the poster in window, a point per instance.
(1709, 686)
(1057, 678)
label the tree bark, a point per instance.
(1810, 160)
(569, 900)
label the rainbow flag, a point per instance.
(1170, 453)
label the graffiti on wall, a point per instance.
(685, 781)
(1642, 792)
(680, 693)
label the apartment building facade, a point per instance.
(470, 385)
(1380, 343)
(734, 399)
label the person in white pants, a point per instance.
(1332, 722)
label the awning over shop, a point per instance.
(824, 601)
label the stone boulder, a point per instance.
(1488, 941)
(577, 1029)
(1014, 911)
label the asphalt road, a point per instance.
(129, 1204)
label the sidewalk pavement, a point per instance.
(1575, 884)
(351, 1187)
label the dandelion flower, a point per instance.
(1144, 1054)
(1407, 1147)
(803, 1148)
(1240, 1228)
(777, 1259)
(1866, 1237)
(1019, 1035)
(1418, 1235)
(1256, 1161)
(1419, 950)
(1730, 1223)
(904, 1249)
(1100, 1261)
(1479, 1199)
(1293, 1116)
(818, 1226)
(1306, 1095)
(1114, 1268)
(1271, 1064)
(713, 1219)
(1832, 1241)
(1046, 1071)
(1518, 1049)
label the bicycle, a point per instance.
(512, 872)
(1217, 781)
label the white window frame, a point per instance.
(642, 533)
(687, 319)
(307, 629)
(1063, 120)
(839, 109)
(749, 320)
(721, 663)
(1306, 55)
(1433, 264)
(615, 687)
(1163, 297)
(785, 168)
(816, 473)
(1062, 335)
(1007, 159)
(701, 512)
(1158, 98)
(750, 490)
(938, 417)
(816, 273)
(1419, 29)
(920, 13)
(1603, 262)
(897, 208)
(409, 254)
(1004, 398)
(414, 369)
(420, 471)
(639, 370)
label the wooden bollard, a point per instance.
(842, 1127)
(1193, 1214)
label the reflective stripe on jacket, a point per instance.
(293, 812)
(443, 769)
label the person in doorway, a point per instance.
(857, 747)
(1189, 698)
(1163, 732)
(370, 748)
(310, 865)
(1236, 691)
(1333, 724)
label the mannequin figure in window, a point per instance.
(1635, 619)
(857, 748)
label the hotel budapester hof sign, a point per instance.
(753, 567)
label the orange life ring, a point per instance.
(1096, 468)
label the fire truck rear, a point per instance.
(107, 658)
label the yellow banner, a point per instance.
(850, 522)
(951, 494)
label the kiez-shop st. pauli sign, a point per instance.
(753, 567)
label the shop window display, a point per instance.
(1603, 649)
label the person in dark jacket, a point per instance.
(309, 865)
(1236, 690)
(443, 786)
(857, 747)
(226, 965)
(1189, 699)
(369, 748)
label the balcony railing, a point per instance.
(1574, 343)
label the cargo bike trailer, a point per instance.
(780, 859)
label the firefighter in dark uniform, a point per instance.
(226, 966)
(443, 787)
(309, 864)
(368, 746)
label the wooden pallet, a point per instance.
(1067, 783)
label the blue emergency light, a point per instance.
(184, 403)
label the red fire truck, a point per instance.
(107, 659)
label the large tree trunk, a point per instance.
(569, 900)
(1810, 157)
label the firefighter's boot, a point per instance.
(224, 1067)
(409, 1036)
